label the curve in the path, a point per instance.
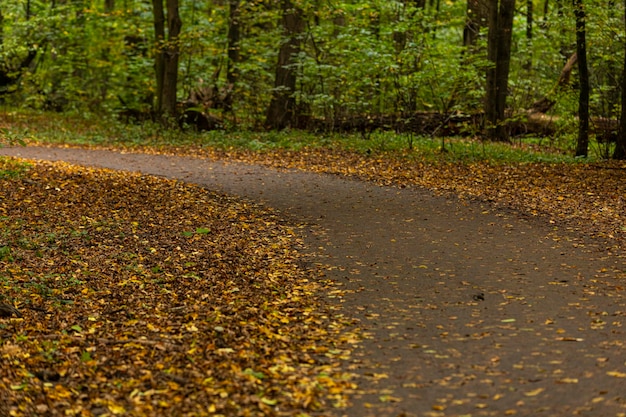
(468, 311)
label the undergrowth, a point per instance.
(20, 126)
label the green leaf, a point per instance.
(258, 375)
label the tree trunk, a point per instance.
(109, 5)
(528, 65)
(166, 56)
(582, 144)
(529, 19)
(1, 28)
(172, 55)
(282, 108)
(159, 54)
(476, 17)
(499, 54)
(234, 37)
(620, 144)
(491, 111)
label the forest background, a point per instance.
(480, 68)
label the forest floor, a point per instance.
(454, 289)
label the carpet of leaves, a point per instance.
(143, 296)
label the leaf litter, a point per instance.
(145, 296)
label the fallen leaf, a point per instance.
(535, 392)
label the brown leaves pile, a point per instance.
(146, 297)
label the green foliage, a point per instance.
(9, 137)
(358, 58)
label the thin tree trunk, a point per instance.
(282, 108)
(529, 19)
(528, 65)
(159, 55)
(166, 55)
(620, 144)
(503, 64)
(475, 19)
(491, 113)
(582, 144)
(171, 58)
(109, 5)
(234, 37)
(499, 54)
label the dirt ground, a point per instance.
(467, 310)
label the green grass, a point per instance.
(88, 129)
(10, 168)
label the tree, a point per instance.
(476, 16)
(234, 37)
(499, 55)
(167, 55)
(13, 64)
(282, 108)
(620, 145)
(582, 143)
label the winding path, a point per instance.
(469, 311)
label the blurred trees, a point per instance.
(308, 63)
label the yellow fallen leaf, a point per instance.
(567, 381)
(535, 392)
(116, 409)
(389, 399)
(616, 374)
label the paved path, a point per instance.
(470, 311)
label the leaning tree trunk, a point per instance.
(548, 101)
(499, 54)
(582, 144)
(620, 145)
(282, 108)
